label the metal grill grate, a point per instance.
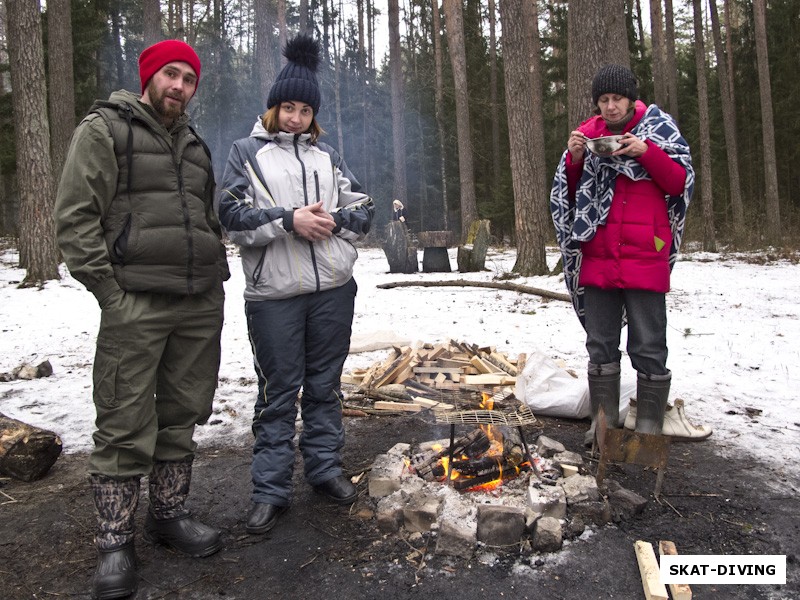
(518, 418)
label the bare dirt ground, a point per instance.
(710, 505)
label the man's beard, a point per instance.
(169, 112)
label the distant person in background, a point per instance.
(294, 209)
(619, 221)
(135, 223)
(398, 211)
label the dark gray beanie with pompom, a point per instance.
(297, 80)
(614, 79)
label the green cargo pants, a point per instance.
(155, 374)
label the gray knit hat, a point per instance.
(614, 79)
(298, 80)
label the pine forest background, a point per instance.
(461, 110)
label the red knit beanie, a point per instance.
(162, 53)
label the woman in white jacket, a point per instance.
(295, 210)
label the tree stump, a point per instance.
(26, 452)
(472, 255)
(434, 254)
(399, 249)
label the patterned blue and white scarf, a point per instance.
(579, 222)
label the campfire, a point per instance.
(483, 484)
(479, 461)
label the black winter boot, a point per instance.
(652, 392)
(115, 501)
(168, 522)
(603, 392)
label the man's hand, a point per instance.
(313, 223)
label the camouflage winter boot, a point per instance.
(115, 501)
(168, 522)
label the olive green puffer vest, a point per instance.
(157, 228)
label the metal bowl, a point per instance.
(604, 146)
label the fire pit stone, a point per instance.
(547, 536)
(580, 488)
(547, 447)
(500, 525)
(548, 501)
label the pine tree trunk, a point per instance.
(526, 137)
(594, 29)
(659, 54)
(494, 108)
(439, 106)
(264, 64)
(454, 27)
(772, 203)
(671, 64)
(61, 91)
(398, 103)
(705, 178)
(37, 240)
(152, 21)
(729, 126)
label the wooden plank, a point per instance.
(649, 572)
(679, 591)
(399, 365)
(483, 366)
(489, 379)
(397, 406)
(434, 404)
(437, 370)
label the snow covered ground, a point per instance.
(734, 322)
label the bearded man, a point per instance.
(136, 226)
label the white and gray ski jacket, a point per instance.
(266, 178)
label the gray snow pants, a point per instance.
(299, 342)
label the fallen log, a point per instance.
(497, 285)
(26, 452)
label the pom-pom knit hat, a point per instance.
(298, 80)
(614, 79)
(156, 56)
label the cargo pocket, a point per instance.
(104, 375)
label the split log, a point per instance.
(497, 285)
(649, 571)
(399, 249)
(26, 452)
(471, 256)
(679, 591)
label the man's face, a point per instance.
(170, 90)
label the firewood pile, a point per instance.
(439, 377)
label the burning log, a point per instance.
(505, 471)
(425, 467)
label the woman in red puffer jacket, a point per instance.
(619, 217)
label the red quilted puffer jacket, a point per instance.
(631, 250)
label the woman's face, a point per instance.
(613, 107)
(295, 117)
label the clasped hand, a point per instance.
(313, 222)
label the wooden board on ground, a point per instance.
(679, 591)
(649, 571)
(397, 406)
